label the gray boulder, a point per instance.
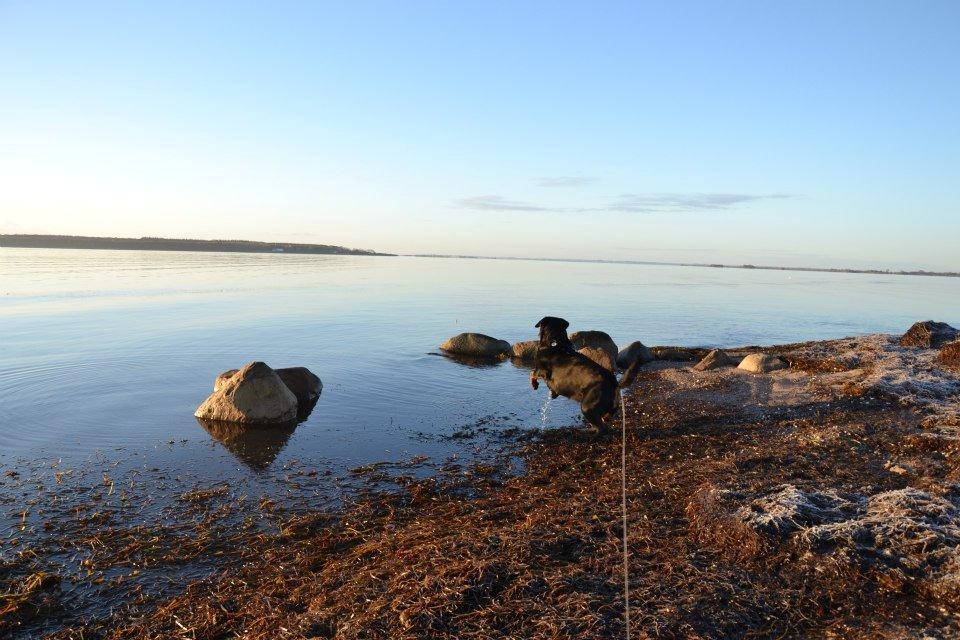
(254, 395)
(929, 334)
(762, 363)
(633, 352)
(596, 340)
(714, 360)
(476, 345)
(526, 350)
(600, 356)
(304, 384)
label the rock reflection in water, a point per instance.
(256, 447)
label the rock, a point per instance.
(223, 378)
(632, 352)
(254, 395)
(682, 354)
(928, 334)
(762, 363)
(303, 383)
(526, 350)
(598, 355)
(476, 345)
(714, 360)
(594, 339)
(950, 354)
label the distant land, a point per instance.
(174, 244)
(885, 272)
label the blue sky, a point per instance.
(793, 133)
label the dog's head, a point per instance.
(553, 332)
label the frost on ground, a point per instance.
(905, 535)
(788, 509)
(877, 364)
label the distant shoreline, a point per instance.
(883, 272)
(39, 241)
(36, 241)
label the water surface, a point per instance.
(113, 350)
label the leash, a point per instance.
(623, 508)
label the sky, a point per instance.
(791, 133)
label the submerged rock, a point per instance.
(253, 395)
(596, 340)
(633, 352)
(526, 350)
(714, 360)
(762, 363)
(928, 334)
(476, 345)
(600, 356)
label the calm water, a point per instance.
(112, 351)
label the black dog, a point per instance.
(575, 376)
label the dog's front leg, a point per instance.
(534, 383)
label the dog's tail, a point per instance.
(630, 374)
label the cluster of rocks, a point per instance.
(600, 347)
(259, 395)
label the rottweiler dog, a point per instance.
(575, 376)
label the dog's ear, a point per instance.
(565, 323)
(540, 322)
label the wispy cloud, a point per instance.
(565, 181)
(499, 203)
(629, 203)
(683, 202)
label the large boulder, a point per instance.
(594, 339)
(476, 345)
(762, 363)
(633, 352)
(928, 334)
(526, 350)
(950, 354)
(254, 395)
(716, 359)
(600, 356)
(304, 384)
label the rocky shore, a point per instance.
(820, 498)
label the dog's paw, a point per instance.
(554, 395)
(534, 384)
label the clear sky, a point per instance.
(799, 133)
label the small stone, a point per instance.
(714, 360)
(762, 363)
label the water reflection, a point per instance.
(256, 447)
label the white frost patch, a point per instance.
(787, 509)
(907, 530)
(913, 376)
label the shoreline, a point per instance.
(752, 498)
(749, 267)
(31, 241)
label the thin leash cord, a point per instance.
(623, 507)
